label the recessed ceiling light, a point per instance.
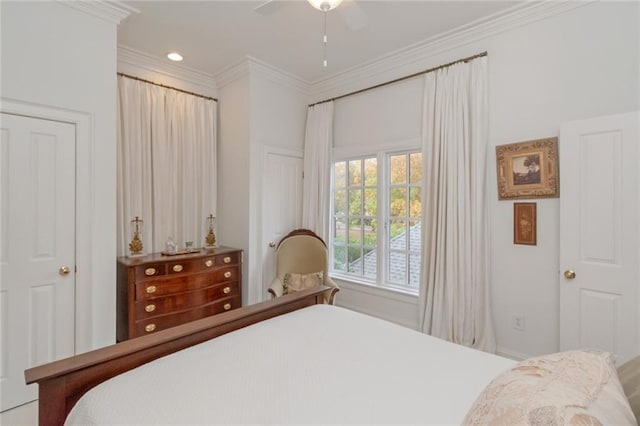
(174, 56)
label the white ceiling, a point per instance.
(212, 35)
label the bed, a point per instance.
(292, 360)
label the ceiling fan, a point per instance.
(349, 11)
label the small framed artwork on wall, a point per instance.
(528, 169)
(524, 224)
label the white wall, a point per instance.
(260, 107)
(278, 119)
(580, 63)
(234, 172)
(64, 60)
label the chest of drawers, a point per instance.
(155, 292)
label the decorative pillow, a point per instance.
(297, 282)
(566, 388)
(629, 374)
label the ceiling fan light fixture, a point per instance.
(325, 5)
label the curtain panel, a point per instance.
(316, 187)
(166, 155)
(454, 292)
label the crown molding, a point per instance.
(141, 60)
(111, 11)
(232, 73)
(250, 65)
(410, 58)
(278, 75)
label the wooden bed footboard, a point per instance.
(62, 383)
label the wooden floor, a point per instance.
(24, 415)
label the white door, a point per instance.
(282, 206)
(37, 167)
(599, 235)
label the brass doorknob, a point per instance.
(272, 244)
(64, 270)
(569, 274)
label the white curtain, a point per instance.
(454, 291)
(316, 187)
(166, 164)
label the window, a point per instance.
(368, 191)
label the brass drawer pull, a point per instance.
(227, 259)
(150, 308)
(151, 289)
(208, 263)
(150, 271)
(227, 306)
(226, 290)
(177, 268)
(227, 274)
(149, 328)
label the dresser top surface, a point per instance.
(159, 257)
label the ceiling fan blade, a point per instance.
(268, 7)
(352, 15)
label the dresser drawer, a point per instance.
(178, 284)
(150, 271)
(226, 259)
(166, 321)
(191, 299)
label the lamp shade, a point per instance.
(325, 5)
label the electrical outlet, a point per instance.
(517, 322)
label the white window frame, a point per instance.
(382, 155)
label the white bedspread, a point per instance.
(321, 364)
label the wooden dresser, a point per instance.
(156, 292)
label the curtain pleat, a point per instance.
(316, 187)
(166, 164)
(454, 292)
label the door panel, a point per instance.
(599, 235)
(38, 238)
(282, 205)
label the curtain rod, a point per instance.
(406, 77)
(167, 87)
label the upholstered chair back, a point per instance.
(301, 254)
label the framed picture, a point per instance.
(528, 169)
(524, 223)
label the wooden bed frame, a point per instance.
(62, 383)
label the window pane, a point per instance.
(415, 238)
(397, 267)
(370, 232)
(371, 171)
(339, 258)
(415, 167)
(370, 202)
(340, 231)
(355, 231)
(398, 234)
(415, 201)
(398, 169)
(340, 174)
(370, 263)
(398, 202)
(355, 260)
(355, 202)
(340, 202)
(414, 270)
(355, 172)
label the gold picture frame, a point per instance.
(528, 169)
(524, 224)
